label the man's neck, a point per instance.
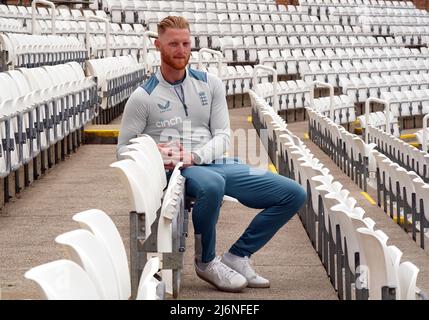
(172, 75)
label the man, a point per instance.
(185, 111)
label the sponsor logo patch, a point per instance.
(203, 98)
(164, 108)
(169, 122)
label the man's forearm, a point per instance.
(213, 149)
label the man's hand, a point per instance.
(169, 153)
(187, 159)
(172, 153)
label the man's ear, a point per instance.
(157, 44)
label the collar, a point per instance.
(164, 82)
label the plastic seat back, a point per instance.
(63, 280)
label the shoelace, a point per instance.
(221, 268)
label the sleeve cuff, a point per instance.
(119, 153)
(196, 157)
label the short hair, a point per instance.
(174, 22)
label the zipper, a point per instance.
(186, 109)
(181, 97)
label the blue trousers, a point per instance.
(279, 197)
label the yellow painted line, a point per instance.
(408, 136)
(272, 168)
(415, 144)
(103, 133)
(101, 130)
(401, 219)
(368, 198)
(249, 119)
(306, 136)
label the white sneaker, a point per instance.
(221, 276)
(243, 266)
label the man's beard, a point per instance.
(174, 63)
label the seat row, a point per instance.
(413, 31)
(411, 35)
(78, 28)
(256, 28)
(351, 40)
(103, 4)
(297, 60)
(292, 49)
(31, 51)
(403, 194)
(117, 78)
(361, 88)
(150, 18)
(292, 94)
(344, 108)
(401, 152)
(377, 120)
(399, 169)
(98, 267)
(237, 79)
(394, 21)
(358, 3)
(118, 46)
(351, 15)
(396, 187)
(24, 50)
(61, 13)
(338, 230)
(158, 214)
(374, 11)
(332, 73)
(125, 10)
(350, 54)
(43, 111)
(408, 102)
(12, 25)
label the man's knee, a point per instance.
(296, 197)
(213, 189)
(300, 195)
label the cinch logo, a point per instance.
(203, 98)
(168, 123)
(164, 108)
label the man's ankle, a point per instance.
(233, 256)
(202, 265)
